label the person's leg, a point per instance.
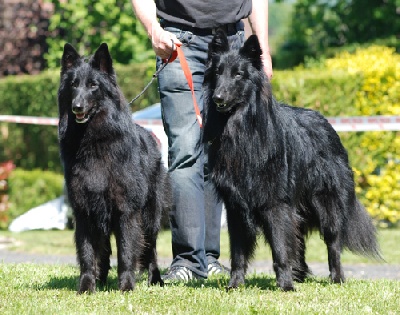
(213, 209)
(186, 160)
(196, 215)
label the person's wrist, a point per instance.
(265, 53)
(154, 29)
(266, 59)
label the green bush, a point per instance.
(330, 94)
(28, 189)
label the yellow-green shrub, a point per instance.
(380, 68)
(377, 155)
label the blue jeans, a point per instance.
(195, 217)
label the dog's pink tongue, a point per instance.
(80, 116)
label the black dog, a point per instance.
(115, 180)
(278, 168)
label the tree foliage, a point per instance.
(87, 23)
(320, 25)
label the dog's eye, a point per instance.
(74, 84)
(92, 85)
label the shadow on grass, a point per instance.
(60, 283)
(259, 281)
(263, 282)
(72, 282)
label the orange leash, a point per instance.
(189, 79)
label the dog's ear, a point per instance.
(219, 44)
(252, 50)
(69, 57)
(102, 60)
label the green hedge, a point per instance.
(34, 146)
(330, 94)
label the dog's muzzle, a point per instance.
(220, 102)
(81, 116)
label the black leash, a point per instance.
(155, 75)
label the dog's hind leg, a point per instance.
(103, 258)
(151, 222)
(149, 259)
(280, 232)
(330, 225)
(300, 268)
(243, 239)
(334, 253)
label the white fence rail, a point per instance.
(356, 123)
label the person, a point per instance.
(195, 218)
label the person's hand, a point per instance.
(267, 64)
(161, 41)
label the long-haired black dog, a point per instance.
(114, 176)
(278, 168)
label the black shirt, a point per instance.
(203, 14)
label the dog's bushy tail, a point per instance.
(359, 233)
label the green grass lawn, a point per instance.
(51, 289)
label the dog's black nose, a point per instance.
(218, 99)
(77, 108)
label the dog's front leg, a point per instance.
(86, 256)
(242, 246)
(129, 239)
(280, 232)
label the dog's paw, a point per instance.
(87, 284)
(126, 282)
